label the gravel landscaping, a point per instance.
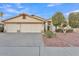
(62, 40)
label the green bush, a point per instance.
(1, 29)
(69, 30)
(59, 30)
(49, 34)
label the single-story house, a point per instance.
(28, 24)
(25, 23)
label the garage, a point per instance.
(24, 28)
(24, 23)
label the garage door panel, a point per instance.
(12, 27)
(31, 27)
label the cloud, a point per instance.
(12, 10)
(8, 5)
(6, 16)
(19, 5)
(9, 8)
(24, 10)
(1, 7)
(71, 12)
(5, 6)
(53, 4)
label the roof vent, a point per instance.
(23, 15)
(32, 15)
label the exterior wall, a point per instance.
(20, 19)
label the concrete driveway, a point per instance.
(30, 44)
(20, 39)
(20, 44)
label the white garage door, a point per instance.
(31, 28)
(12, 27)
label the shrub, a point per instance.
(49, 34)
(1, 29)
(59, 30)
(69, 30)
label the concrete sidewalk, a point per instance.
(39, 51)
(59, 51)
(19, 51)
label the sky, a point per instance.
(44, 10)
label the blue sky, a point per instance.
(44, 10)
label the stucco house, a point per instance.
(25, 23)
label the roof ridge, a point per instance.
(23, 14)
(37, 16)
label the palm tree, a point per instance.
(1, 14)
(2, 25)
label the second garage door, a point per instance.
(33, 28)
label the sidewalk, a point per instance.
(39, 51)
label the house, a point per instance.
(24, 23)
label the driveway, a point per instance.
(20, 44)
(30, 44)
(20, 39)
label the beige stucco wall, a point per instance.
(20, 19)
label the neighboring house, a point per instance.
(24, 23)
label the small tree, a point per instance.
(74, 19)
(57, 19)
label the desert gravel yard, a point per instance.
(63, 40)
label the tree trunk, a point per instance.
(55, 27)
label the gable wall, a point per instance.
(20, 19)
